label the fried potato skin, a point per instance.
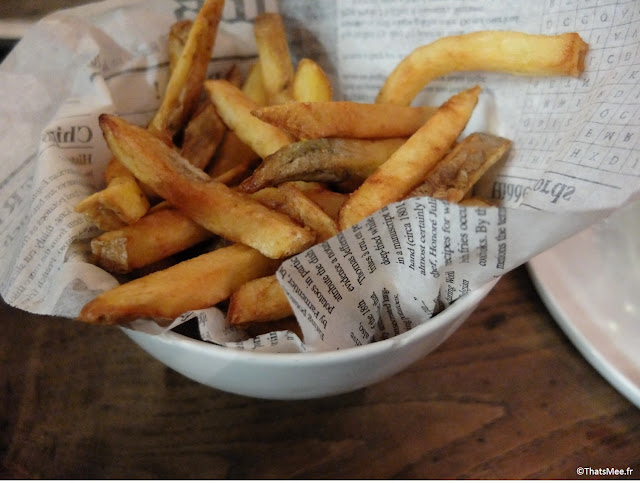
(500, 51)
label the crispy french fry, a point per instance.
(253, 86)
(453, 177)
(234, 158)
(235, 110)
(500, 51)
(221, 210)
(302, 208)
(274, 304)
(310, 83)
(234, 75)
(196, 283)
(185, 84)
(328, 200)
(178, 34)
(274, 55)
(153, 238)
(202, 135)
(325, 160)
(120, 203)
(344, 119)
(411, 163)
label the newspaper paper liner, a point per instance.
(389, 272)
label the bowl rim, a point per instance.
(312, 357)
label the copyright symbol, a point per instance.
(580, 471)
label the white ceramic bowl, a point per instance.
(306, 375)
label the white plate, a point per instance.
(591, 285)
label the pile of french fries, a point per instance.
(255, 169)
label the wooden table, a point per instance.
(507, 396)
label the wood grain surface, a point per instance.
(507, 396)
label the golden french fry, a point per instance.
(233, 157)
(453, 177)
(253, 86)
(202, 135)
(274, 304)
(120, 203)
(193, 284)
(178, 34)
(185, 84)
(274, 55)
(216, 207)
(328, 200)
(344, 119)
(411, 163)
(325, 160)
(235, 110)
(310, 83)
(234, 75)
(301, 207)
(500, 51)
(154, 237)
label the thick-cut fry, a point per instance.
(501, 51)
(253, 86)
(312, 120)
(454, 176)
(233, 157)
(325, 160)
(310, 83)
(235, 110)
(274, 55)
(120, 203)
(196, 283)
(411, 163)
(273, 305)
(153, 238)
(185, 84)
(330, 201)
(301, 207)
(221, 210)
(178, 34)
(202, 135)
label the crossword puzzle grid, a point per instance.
(607, 94)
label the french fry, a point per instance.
(233, 158)
(499, 51)
(411, 163)
(302, 208)
(154, 237)
(185, 84)
(120, 203)
(196, 283)
(202, 135)
(324, 160)
(274, 55)
(310, 83)
(235, 110)
(274, 304)
(178, 34)
(453, 177)
(253, 86)
(221, 210)
(345, 119)
(328, 200)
